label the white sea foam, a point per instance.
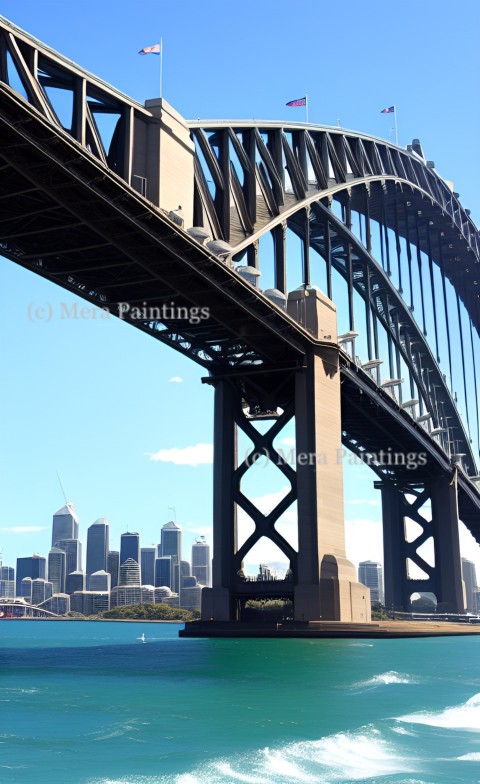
(459, 717)
(403, 731)
(361, 645)
(473, 756)
(386, 679)
(343, 757)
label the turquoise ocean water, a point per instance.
(90, 703)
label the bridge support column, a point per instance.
(327, 585)
(443, 577)
(447, 546)
(217, 602)
(395, 574)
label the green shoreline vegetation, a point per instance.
(141, 612)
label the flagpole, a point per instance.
(306, 105)
(396, 127)
(161, 67)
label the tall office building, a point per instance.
(113, 566)
(370, 573)
(73, 552)
(41, 590)
(65, 524)
(75, 582)
(97, 546)
(56, 569)
(469, 576)
(163, 571)
(129, 573)
(147, 565)
(26, 589)
(33, 566)
(129, 547)
(171, 546)
(201, 561)
(171, 540)
(99, 581)
(7, 582)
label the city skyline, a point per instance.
(133, 574)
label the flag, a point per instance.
(297, 102)
(155, 49)
(390, 110)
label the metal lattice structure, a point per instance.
(77, 210)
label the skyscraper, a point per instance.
(75, 582)
(99, 581)
(41, 590)
(73, 551)
(469, 576)
(33, 566)
(129, 573)
(97, 546)
(65, 524)
(7, 582)
(147, 565)
(129, 547)
(171, 546)
(113, 566)
(370, 573)
(171, 540)
(201, 561)
(163, 571)
(56, 569)
(26, 589)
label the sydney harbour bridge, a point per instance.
(342, 281)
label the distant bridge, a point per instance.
(90, 186)
(15, 608)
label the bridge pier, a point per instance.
(444, 576)
(324, 583)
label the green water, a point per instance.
(90, 703)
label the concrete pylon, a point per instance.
(327, 585)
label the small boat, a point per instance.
(142, 638)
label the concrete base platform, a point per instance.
(328, 629)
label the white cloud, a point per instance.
(24, 529)
(364, 540)
(288, 441)
(200, 454)
(175, 380)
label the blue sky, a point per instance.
(93, 399)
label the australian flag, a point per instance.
(390, 110)
(297, 102)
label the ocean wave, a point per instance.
(459, 717)
(473, 756)
(345, 756)
(386, 679)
